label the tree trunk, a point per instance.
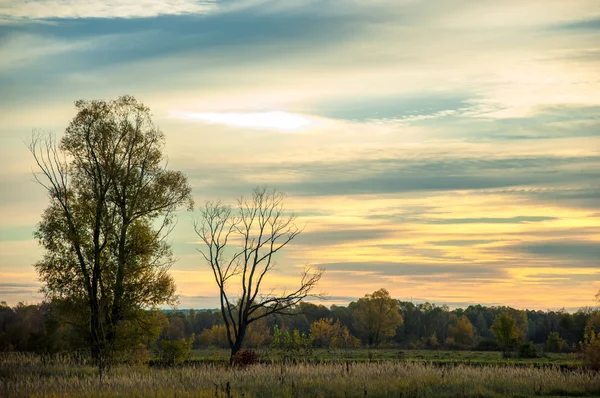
(239, 339)
(97, 343)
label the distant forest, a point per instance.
(44, 328)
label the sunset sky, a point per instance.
(447, 150)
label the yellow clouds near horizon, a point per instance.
(448, 151)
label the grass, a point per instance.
(24, 375)
(475, 358)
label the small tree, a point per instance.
(376, 316)
(554, 343)
(328, 333)
(590, 348)
(291, 346)
(462, 333)
(261, 229)
(506, 331)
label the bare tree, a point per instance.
(257, 230)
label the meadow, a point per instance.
(24, 375)
(440, 357)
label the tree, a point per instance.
(262, 229)
(506, 331)
(554, 343)
(328, 333)
(462, 333)
(112, 203)
(376, 316)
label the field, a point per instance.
(417, 376)
(440, 357)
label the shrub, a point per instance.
(590, 348)
(140, 356)
(433, 342)
(173, 352)
(245, 358)
(292, 346)
(554, 343)
(527, 350)
(487, 345)
(450, 343)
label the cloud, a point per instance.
(480, 135)
(463, 242)
(340, 236)
(586, 253)
(65, 9)
(273, 120)
(454, 271)
(491, 220)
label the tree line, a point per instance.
(376, 320)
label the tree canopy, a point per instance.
(376, 316)
(112, 203)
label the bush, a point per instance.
(173, 352)
(527, 350)
(554, 343)
(245, 358)
(487, 345)
(292, 346)
(590, 348)
(450, 343)
(140, 356)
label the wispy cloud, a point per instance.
(273, 120)
(470, 155)
(12, 10)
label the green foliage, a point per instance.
(433, 342)
(554, 343)
(328, 333)
(136, 335)
(376, 317)
(527, 350)
(215, 336)
(291, 346)
(590, 348)
(462, 332)
(173, 352)
(111, 203)
(506, 331)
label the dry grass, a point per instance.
(24, 375)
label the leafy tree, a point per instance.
(462, 333)
(481, 325)
(112, 203)
(291, 346)
(206, 319)
(215, 336)
(258, 334)
(262, 229)
(506, 331)
(527, 350)
(376, 316)
(173, 352)
(328, 333)
(137, 335)
(433, 341)
(554, 343)
(590, 348)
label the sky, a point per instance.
(446, 150)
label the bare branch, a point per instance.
(262, 229)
